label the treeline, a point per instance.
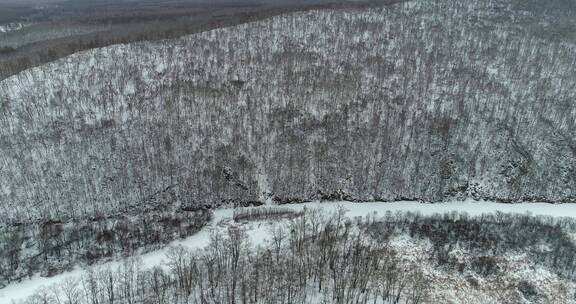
(138, 26)
(50, 248)
(6, 50)
(126, 31)
(315, 258)
(262, 213)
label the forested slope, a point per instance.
(426, 100)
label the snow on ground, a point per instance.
(471, 207)
(573, 236)
(258, 231)
(450, 287)
(5, 28)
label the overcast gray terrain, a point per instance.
(425, 100)
(33, 33)
(124, 124)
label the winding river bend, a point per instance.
(258, 232)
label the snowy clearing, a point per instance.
(258, 231)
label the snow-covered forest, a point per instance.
(314, 256)
(423, 100)
(119, 150)
(54, 247)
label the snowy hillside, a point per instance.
(428, 100)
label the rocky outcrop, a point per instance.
(426, 100)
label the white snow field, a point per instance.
(258, 232)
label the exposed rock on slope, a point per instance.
(424, 100)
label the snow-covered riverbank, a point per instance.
(258, 232)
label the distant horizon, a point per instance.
(66, 10)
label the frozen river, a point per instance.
(16, 292)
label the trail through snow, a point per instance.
(258, 233)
